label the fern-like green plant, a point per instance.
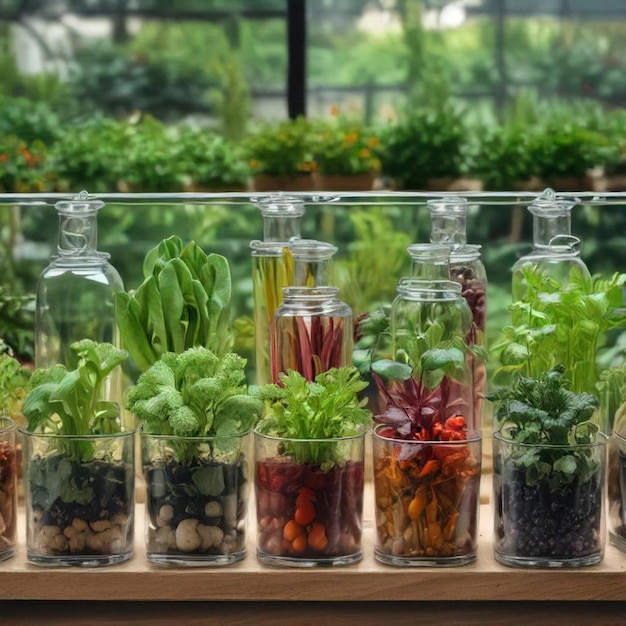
(561, 325)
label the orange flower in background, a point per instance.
(372, 142)
(350, 138)
(334, 110)
(254, 164)
(364, 153)
(4, 158)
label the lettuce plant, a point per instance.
(182, 303)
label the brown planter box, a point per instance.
(343, 182)
(294, 182)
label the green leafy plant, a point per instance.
(544, 411)
(281, 149)
(345, 146)
(71, 402)
(17, 323)
(502, 158)
(91, 155)
(427, 143)
(149, 157)
(194, 394)
(182, 302)
(208, 159)
(14, 382)
(24, 167)
(561, 325)
(562, 148)
(327, 408)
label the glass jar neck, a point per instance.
(78, 228)
(313, 263)
(548, 229)
(429, 261)
(448, 219)
(281, 217)
(309, 295)
(417, 289)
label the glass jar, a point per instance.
(8, 487)
(429, 324)
(309, 500)
(427, 498)
(312, 332)
(617, 490)
(272, 270)
(449, 226)
(429, 261)
(549, 502)
(76, 293)
(313, 263)
(556, 253)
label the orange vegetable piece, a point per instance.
(417, 504)
(299, 543)
(292, 530)
(430, 467)
(305, 513)
(317, 537)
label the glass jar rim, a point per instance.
(601, 440)
(280, 205)
(310, 293)
(192, 438)
(119, 434)
(277, 439)
(473, 436)
(268, 248)
(311, 249)
(441, 288)
(452, 205)
(7, 424)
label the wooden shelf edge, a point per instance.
(368, 580)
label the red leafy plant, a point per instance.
(426, 463)
(311, 333)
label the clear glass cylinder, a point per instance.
(312, 332)
(429, 261)
(555, 254)
(427, 317)
(546, 515)
(196, 498)
(79, 495)
(8, 487)
(309, 500)
(75, 293)
(449, 226)
(427, 499)
(617, 491)
(467, 269)
(313, 263)
(272, 270)
(448, 221)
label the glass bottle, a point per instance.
(430, 261)
(427, 318)
(312, 331)
(556, 253)
(449, 226)
(76, 292)
(75, 296)
(313, 263)
(272, 270)
(540, 280)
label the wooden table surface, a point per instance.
(485, 592)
